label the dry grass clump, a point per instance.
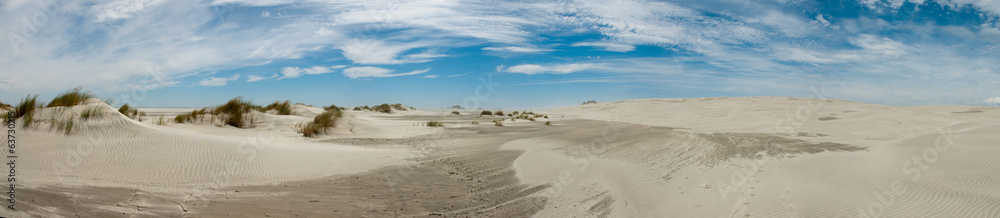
(71, 97)
(128, 111)
(280, 108)
(383, 108)
(435, 124)
(334, 107)
(233, 112)
(475, 122)
(486, 113)
(320, 123)
(498, 122)
(91, 111)
(363, 108)
(401, 107)
(26, 109)
(455, 112)
(548, 123)
(498, 113)
(195, 115)
(5, 106)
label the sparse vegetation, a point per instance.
(334, 108)
(161, 121)
(486, 113)
(589, 102)
(72, 97)
(5, 106)
(498, 122)
(498, 113)
(320, 123)
(457, 107)
(234, 112)
(383, 108)
(128, 111)
(91, 111)
(280, 108)
(455, 112)
(69, 125)
(400, 106)
(435, 124)
(475, 122)
(548, 123)
(26, 109)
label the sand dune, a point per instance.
(709, 157)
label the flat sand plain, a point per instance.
(705, 157)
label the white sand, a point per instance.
(112, 150)
(960, 178)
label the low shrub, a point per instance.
(487, 113)
(498, 122)
(455, 112)
(498, 113)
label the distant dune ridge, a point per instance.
(701, 157)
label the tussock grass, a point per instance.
(195, 115)
(498, 113)
(383, 108)
(366, 108)
(233, 113)
(498, 122)
(455, 112)
(400, 106)
(160, 121)
(435, 124)
(6, 106)
(128, 111)
(26, 109)
(334, 107)
(486, 113)
(280, 108)
(475, 122)
(320, 123)
(72, 97)
(548, 123)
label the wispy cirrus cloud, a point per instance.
(551, 69)
(360, 72)
(518, 49)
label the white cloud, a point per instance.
(518, 49)
(553, 69)
(255, 78)
(431, 76)
(120, 9)
(456, 75)
(879, 45)
(218, 81)
(608, 46)
(265, 14)
(359, 72)
(993, 100)
(379, 52)
(295, 72)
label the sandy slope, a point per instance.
(711, 157)
(112, 150)
(631, 175)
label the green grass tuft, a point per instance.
(280, 108)
(548, 123)
(320, 123)
(26, 109)
(383, 108)
(72, 97)
(498, 113)
(233, 112)
(455, 112)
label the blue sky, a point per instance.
(536, 54)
